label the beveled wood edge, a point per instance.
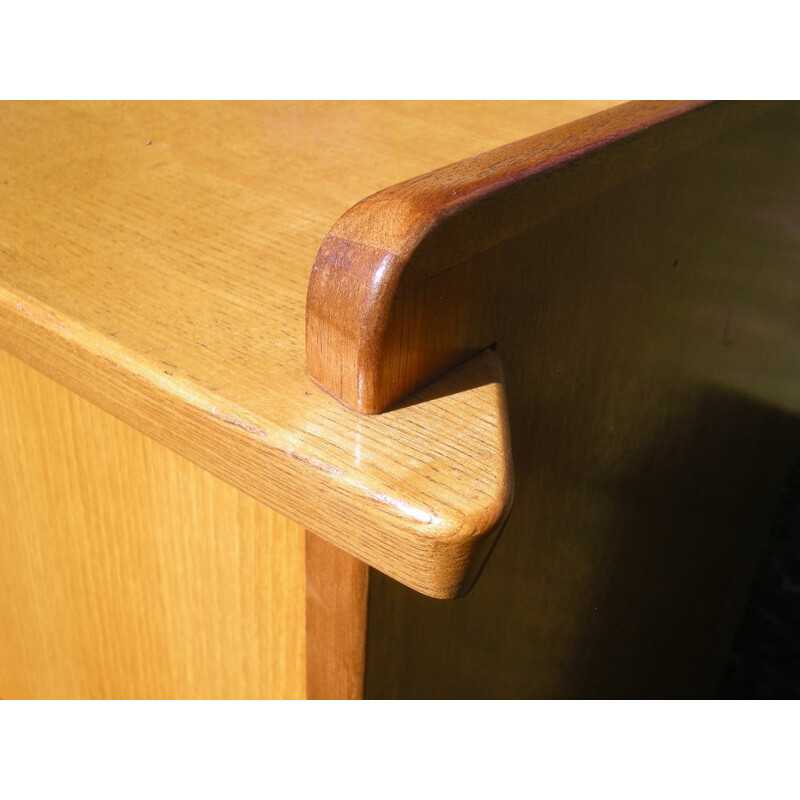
(424, 226)
(443, 565)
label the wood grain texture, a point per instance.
(390, 302)
(651, 346)
(336, 622)
(154, 258)
(128, 572)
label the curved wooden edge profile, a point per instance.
(389, 304)
(447, 538)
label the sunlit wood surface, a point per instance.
(154, 258)
(128, 572)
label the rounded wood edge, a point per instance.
(376, 259)
(350, 293)
(380, 524)
(444, 556)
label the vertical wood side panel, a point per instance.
(128, 572)
(336, 619)
(651, 346)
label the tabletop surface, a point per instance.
(154, 257)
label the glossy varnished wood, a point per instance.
(154, 258)
(128, 572)
(391, 304)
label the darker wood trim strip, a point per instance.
(366, 341)
(336, 622)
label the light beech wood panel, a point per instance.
(154, 258)
(128, 572)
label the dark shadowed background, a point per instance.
(764, 661)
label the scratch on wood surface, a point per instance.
(727, 333)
